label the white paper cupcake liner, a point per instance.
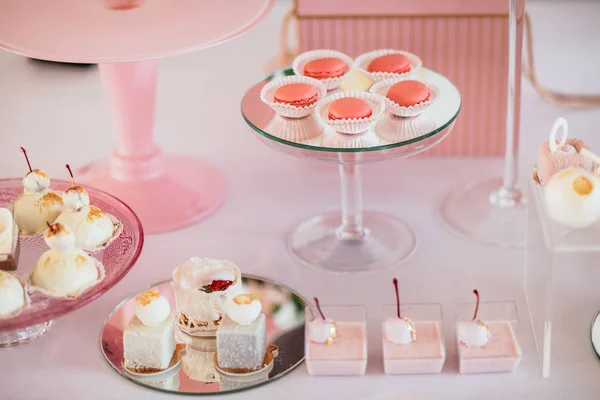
(393, 129)
(267, 95)
(117, 230)
(355, 125)
(295, 129)
(344, 141)
(330, 83)
(381, 88)
(71, 296)
(27, 301)
(362, 63)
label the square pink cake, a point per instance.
(501, 354)
(347, 355)
(426, 355)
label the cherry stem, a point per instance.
(50, 226)
(27, 159)
(397, 297)
(71, 173)
(476, 304)
(319, 308)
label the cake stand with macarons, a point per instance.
(329, 107)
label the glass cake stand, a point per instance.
(118, 259)
(127, 37)
(192, 370)
(354, 240)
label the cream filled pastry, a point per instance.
(152, 308)
(243, 308)
(321, 330)
(12, 294)
(64, 270)
(92, 227)
(37, 205)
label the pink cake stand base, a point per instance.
(185, 191)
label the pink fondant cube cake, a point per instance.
(549, 163)
(426, 355)
(347, 355)
(500, 354)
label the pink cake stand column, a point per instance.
(166, 192)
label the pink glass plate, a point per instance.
(117, 259)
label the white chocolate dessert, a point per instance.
(149, 339)
(9, 241)
(38, 205)
(573, 198)
(64, 270)
(202, 287)
(242, 336)
(12, 294)
(92, 227)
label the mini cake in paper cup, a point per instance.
(295, 129)
(13, 295)
(363, 140)
(406, 97)
(381, 65)
(350, 112)
(330, 67)
(393, 129)
(293, 96)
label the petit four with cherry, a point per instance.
(335, 347)
(411, 347)
(93, 228)
(37, 205)
(149, 338)
(486, 346)
(64, 270)
(202, 288)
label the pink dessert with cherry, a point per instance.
(411, 347)
(486, 347)
(335, 347)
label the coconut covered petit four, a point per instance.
(242, 335)
(557, 155)
(93, 228)
(202, 287)
(64, 270)
(13, 297)
(38, 204)
(9, 241)
(149, 339)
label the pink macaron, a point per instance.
(408, 93)
(296, 94)
(392, 63)
(324, 68)
(349, 108)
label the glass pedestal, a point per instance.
(560, 285)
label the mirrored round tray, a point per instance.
(118, 258)
(354, 240)
(595, 334)
(194, 373)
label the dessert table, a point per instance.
(43, 107)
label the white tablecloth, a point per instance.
(43, 106)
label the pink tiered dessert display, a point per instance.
(117, 34)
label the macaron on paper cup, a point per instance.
(330, 83)
(267, 95)
(354, 125)
(362, 64)
(382, 88)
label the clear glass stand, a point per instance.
(24, 335)
(354, 240)
(493, 211)
(561, 276)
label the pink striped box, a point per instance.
(466, 40)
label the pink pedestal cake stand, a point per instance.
(126, 37)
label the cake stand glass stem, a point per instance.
(352, 202)
(509, 195)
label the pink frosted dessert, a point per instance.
(425, 355)
(335, 348)
(500, 354)
(566, 156)
(486, 347)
